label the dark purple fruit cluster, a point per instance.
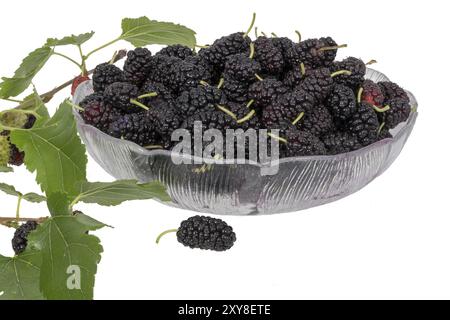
(321, 106)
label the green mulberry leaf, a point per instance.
(10, 190)
(4, 169)
(19, 276)
(30, 197)
(34, 197)
(76, 40)
(30, 66)
(54, 150)
(69, 254)
(115, 193)
(92, 223)
(143, 31)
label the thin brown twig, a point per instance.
(5, 220)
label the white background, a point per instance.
(390, 240)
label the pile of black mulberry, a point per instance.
(321, 106)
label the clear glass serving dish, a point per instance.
(245, 189)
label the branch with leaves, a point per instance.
(57, 157)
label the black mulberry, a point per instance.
(246, 118)
(318, 121)
(235, 90)
(106, 74)
(318, 83)
(138, 65)
(302, 143)
(16, 157)
(399, 110)
(294, 76)
(136, 127)
(176, 50)
(290, 107)
(204, 233)
(199, 98)
(342, 102)
(98, 114)
(340, 142)
(20, 241)
(357, 69)
(30, 122)
(184, 76)
(161, 67)
(217, 53)
(161, 90)
(392, 90)
(266, 91)
(317, 53)
(242, 68)
(165, 117)
(210, 74)
(210, 119)
(288, 50)
(372, 93)
(269, 56)
(364, 124)
(120, 95)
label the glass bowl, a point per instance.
(246, 189)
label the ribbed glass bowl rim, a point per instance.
(196, 159)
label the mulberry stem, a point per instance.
(302, 69)
(68, 58)
(274, 35)
(360, 92)
(258, 77)
(252, 50)
(148, 95)
(6, 221)
(333, 47)
(381, 110)
(101, 47)
(201, 47)
(140, 105)
(113, 57)
(247, 117)
(371, 62)
(299, 35)
(381, 128)
(164, 233)
(256, 32)
(250, 103)
(227, 111)
(221, 81)
(12, 100)
(19, 202)
(251, 26)
(277, 138)
(84, 71)
(300, 116)
(204, 83)
(338, 73)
